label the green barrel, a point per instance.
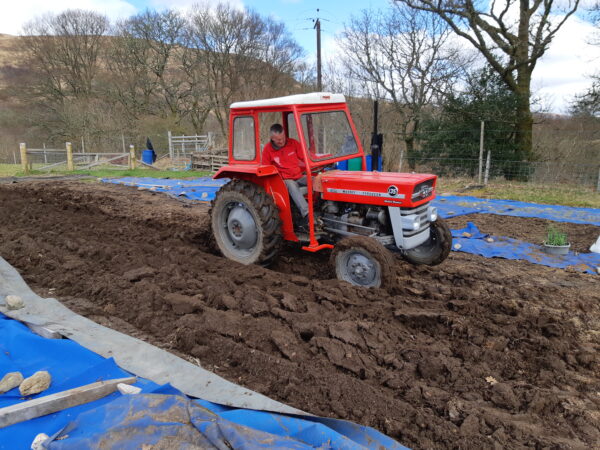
(355, 164)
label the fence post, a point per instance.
(132, 164)
(487, 168)
(23, 150)
(481, 150)
(70, 166)
(598, 185)
(401, 158)
(170, 145)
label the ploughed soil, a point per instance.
(474, 353)
(526, 229)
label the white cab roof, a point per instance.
(299, 99)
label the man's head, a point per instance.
(277, 135)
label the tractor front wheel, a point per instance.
(245, 223)
(363, 261)
(436, 249)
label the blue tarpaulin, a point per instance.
(508, 248)
(452, 205)
(198, 189)
(159, 414)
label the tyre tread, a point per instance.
(267, 211)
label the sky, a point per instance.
(563, 71)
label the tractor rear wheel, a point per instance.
(245, 223)
(363, 261)
(436, 249)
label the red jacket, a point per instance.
(287, 159)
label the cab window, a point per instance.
(328, 135)
(244, 139)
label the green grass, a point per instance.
(115, 173)
(9, 170)
(15, 170)
(555, 194)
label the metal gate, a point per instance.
(182, 148)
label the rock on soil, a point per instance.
(36, 383)
(411, 361)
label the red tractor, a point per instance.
(363, 216)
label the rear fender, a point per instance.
(273, 184)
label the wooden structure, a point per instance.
(209, 162)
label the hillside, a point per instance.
(11, 58)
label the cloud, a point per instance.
(184, 5)
(16, 13)
(565, 68)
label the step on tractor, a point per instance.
(363, 216)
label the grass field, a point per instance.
(9, 170)
(525, 192)
(115, 173)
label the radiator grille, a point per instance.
(421, 212)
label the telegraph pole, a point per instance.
(318, 28)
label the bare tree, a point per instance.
(146, 59)
(245, 55)
(65, 48)
(197, 99)
(281, 56)
(402, 55)
(512, 35)
(64, 51)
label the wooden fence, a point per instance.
(48, 159)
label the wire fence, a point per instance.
(535, 172)
(566, 170)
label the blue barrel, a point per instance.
(342, 165)
(370, 163)
(147, 157)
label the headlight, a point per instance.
(432, 213)
(411, 222)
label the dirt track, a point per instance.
(476, 353)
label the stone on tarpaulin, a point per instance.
(127, 389)
(36, 383)
(39, 443)
(10, 381)
(14, 302)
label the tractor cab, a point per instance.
(321, 123)
(361, 215)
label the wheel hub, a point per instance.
(242, 228)
(361, 269)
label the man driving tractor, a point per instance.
(286, 154)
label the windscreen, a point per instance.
(328, 135)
